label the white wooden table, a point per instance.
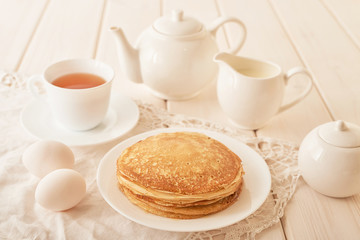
(322, 35)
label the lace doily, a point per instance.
(93, 218)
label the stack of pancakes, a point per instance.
(180, 175)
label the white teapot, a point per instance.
(329, 159)
(174, 56)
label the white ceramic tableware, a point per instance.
(122, 116)
(329, 159)
(255, 189)
(75, 109)
(173, 57)
(251, 91)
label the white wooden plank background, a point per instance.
(18, 21)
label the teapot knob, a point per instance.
(177, 15)
(341, 126)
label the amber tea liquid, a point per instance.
(78, 81)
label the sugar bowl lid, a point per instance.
(177, 24)
(340, 134)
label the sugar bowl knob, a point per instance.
(329, 159)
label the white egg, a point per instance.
(45, 156)
(60, 190)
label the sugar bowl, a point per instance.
(329, 159)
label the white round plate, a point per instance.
(122, 116)
(255, 189)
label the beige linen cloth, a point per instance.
(22, 218)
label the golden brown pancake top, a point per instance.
(181, 162)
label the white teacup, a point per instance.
(76, 109)
(251, 91)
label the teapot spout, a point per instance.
(128, 56)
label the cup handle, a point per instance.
(288, 75)
(222, 20)
(32, 85)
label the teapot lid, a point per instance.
(177, 24)
(340, 134)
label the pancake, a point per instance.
(181, 212)
(180, 175)
(172, 197)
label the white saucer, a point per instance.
(122, 116)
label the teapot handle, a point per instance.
(222, 20)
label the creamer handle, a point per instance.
(305, 92)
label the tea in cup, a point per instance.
(77, 92)
(251, 91)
